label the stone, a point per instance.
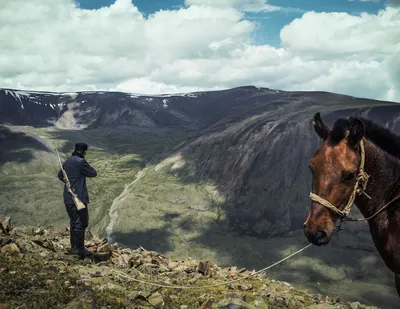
(85, 301)
(245, 286)
(5, 225)
(207, 304)
(47, 244)
(10, 249)
(39, 231)
(5, 240)
(355, 305)
(156, 300)
(105, 248)
(204, 268)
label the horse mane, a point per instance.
(380, 136)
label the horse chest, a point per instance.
(387, 242)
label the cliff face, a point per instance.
(261, 162)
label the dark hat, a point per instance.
(81, 146)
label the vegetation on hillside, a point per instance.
(38, 272)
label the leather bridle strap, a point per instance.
(359, 188)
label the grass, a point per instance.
(32, 194)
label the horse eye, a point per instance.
(348, 176)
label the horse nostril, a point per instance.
(321, 234)
(304, 225)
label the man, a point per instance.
(77, 169)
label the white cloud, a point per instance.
(242, 5)
(55, 45)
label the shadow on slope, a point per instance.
(18, 147)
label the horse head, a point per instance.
(336, 168)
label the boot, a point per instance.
(81, 251)
(72, 242)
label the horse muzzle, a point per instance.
(318, 237)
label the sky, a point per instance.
(168, 46)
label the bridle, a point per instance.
(359, 188)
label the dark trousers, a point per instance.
(78, 220)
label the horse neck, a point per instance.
(384, 181)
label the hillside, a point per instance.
(41, 254)
(218, 175)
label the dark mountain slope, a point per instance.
(254, 143)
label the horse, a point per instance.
(358, 162)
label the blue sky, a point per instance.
(270, 23)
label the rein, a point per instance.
(359, 188)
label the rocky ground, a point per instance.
(36, 271)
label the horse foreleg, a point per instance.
(397, 282)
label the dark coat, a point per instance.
(77, 169)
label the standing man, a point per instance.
(77, 169)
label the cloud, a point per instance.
(55, 45)
(242, 5)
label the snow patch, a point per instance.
(165, 103)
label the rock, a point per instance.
(245, 286)
(355, 305)
(233, 303)
(39, 231)
(98, 258)
(156, 300)
(85, 301)
(44, 254)
(105, 248)
(321, 306)
(4, 241)
(207, 304)
(5, 225)
(88, 236)
(204, 268)
(164, 269)
(47, 244)
(10, 249)
(123, 260)
(108, 277)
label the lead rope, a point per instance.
(163, 285)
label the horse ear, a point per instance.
(320, 127)
(356, 132)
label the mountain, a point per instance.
(219, 175)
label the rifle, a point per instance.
(78, 203)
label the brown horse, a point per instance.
(357, 162)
